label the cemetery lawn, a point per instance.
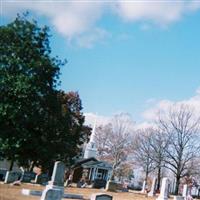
(9, 192)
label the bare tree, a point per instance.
(181, 125)
(113, 140)
(142, 151)
(158, 145)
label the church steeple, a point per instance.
(91, 150)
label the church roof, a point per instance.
(100, 164)
(92, 162)
(84, 160)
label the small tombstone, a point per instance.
(52, 194)
(27, 177)
(100, 196)
(3, 174)
(55, 188)
(185, 191)
(41, 178)
(143, 187)
(58, 174)
(153, 188)
(11, 177)
(178, 198)
(164, 190)
(111, 186)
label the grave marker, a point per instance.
(100, 196)
(164, 190)
(185, 191)
(55, 188)
(28, 176)
(143, 187)
(11, 176)
(153, 188)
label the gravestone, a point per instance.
(178, 198)
(52, 194)
(55, 188)
(111, 186)
(28, 176)
(11, 176)
(164, 190)
(3, 174)
(41, 179)
(185, 191)
(153, 188)
(58, 174)
(100, 196)
(143, 187)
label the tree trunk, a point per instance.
(177, 184)
(146, 174)
(158, 178)
(11, 165)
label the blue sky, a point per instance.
(122, 58)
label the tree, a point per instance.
(142, 151)
(158, 144)
(36, 120)
(181, 125)
(114, 141)
(73, 119)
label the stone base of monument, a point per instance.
(151, 194)
(28, 192)
(52, 192)
(162, 198)
(111, 186)
(178, 198)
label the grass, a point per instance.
(9, 192)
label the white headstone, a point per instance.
(164, 190)
(153, 188)
(100, 196)
(143, 187)
(11, 177)
(55, 189)
(185, 191)
(178, 198)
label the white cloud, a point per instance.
(90, 119)
(158, 12)
(77, 20)
(94, 36)
(152, 113)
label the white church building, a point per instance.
(95, 171)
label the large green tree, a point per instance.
(37, 122)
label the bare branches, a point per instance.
(114, 140)
(181, 126)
